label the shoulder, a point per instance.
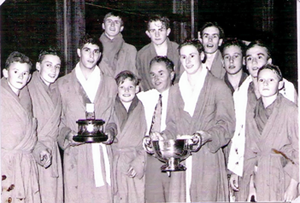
(173, 44)
(144, 50)
(129, 46)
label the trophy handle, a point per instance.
(197, 141)
(147, 144)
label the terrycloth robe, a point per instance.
(47, 110)
(79, 180)
(217, 68)
(214, 113)
(147, 53)
(18, 138)
(125, 58)
(128, 151)
(274, 170)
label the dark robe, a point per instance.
(47, 110)
(128, 151)
(144, 57)
(18, 138)
(274, 152)
(214, 114)
(79, 180)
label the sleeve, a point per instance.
(224, 123)
(292, 167)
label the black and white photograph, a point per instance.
(149, 101)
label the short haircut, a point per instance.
(17, 57)
(163, 59)
(91, 40)
(116, 14)
(213, 24)
(164, 20)
(126, 74)
(193, 42)
(48, 51)
(273, 68)
(233, 42)
(259, 43)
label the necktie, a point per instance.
(156, 119)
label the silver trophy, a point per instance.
(171, 151)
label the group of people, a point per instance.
(247, 124)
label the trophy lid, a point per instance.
(90, 121)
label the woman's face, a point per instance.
(190, 59)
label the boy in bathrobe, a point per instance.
(129, 155)
(87, 166)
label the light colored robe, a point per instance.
(128, 152)
(47, 110)
(274, 172)
(79, 182)
(18, 138)
(214, 113)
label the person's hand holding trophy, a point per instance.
(90, 130)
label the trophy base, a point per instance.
(91, 139)
(167, 168)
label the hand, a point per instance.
(45, 158)
(110, 138)
(131, 172)
(291, 192)
(234, 182)
(205, 137)
(73, 143)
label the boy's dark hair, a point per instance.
(126, 74)
(196, 43)
(48, 51)
(273, 68)
(16, 56)
(258, 43)
(90, 39)
(116, 14)
(164, 20)
(233, 42)
(212, 24)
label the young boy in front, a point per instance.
(47, 110)
(129, 155)
(158, 30)
(18, 133)
(271, 165)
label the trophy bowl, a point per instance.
(90, 131)
(172, 152)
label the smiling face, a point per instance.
(49, 68)
(158, 32)
(127, 90)
(211, 39)
(89, 56)
(112, 26)
(268, 83)
(233, 59)
(190, 59)
(255, 58)
(161, 77)
(17, 75)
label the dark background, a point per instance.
(31, 25)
